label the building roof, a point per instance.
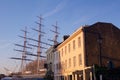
(97, 27)
(103, 25)
(79, 30)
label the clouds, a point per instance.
(58, 8)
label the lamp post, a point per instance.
(100, 47)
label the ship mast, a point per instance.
(23, 64)
(39, 47)
(39, 40)
(56, 34)
(24, 51)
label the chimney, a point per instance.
(65, 37)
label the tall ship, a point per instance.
(30, 67)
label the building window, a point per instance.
(59, 65)
(66, 64)
(49, 56)
(80, 59)
(69, 62)
(62, 65)
(62, 52)
(79, 41)
(65, 49)
(74, 44)
(74, 61)
(68, 47)
(58, 54)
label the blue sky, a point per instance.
(70, 15)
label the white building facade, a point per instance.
(71, 57)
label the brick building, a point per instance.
(102, 41)
(94, 44)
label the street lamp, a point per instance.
(100, 47)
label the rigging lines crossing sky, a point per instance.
(70, 15)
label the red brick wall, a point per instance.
(110, 46)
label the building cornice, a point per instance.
(71, 37)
